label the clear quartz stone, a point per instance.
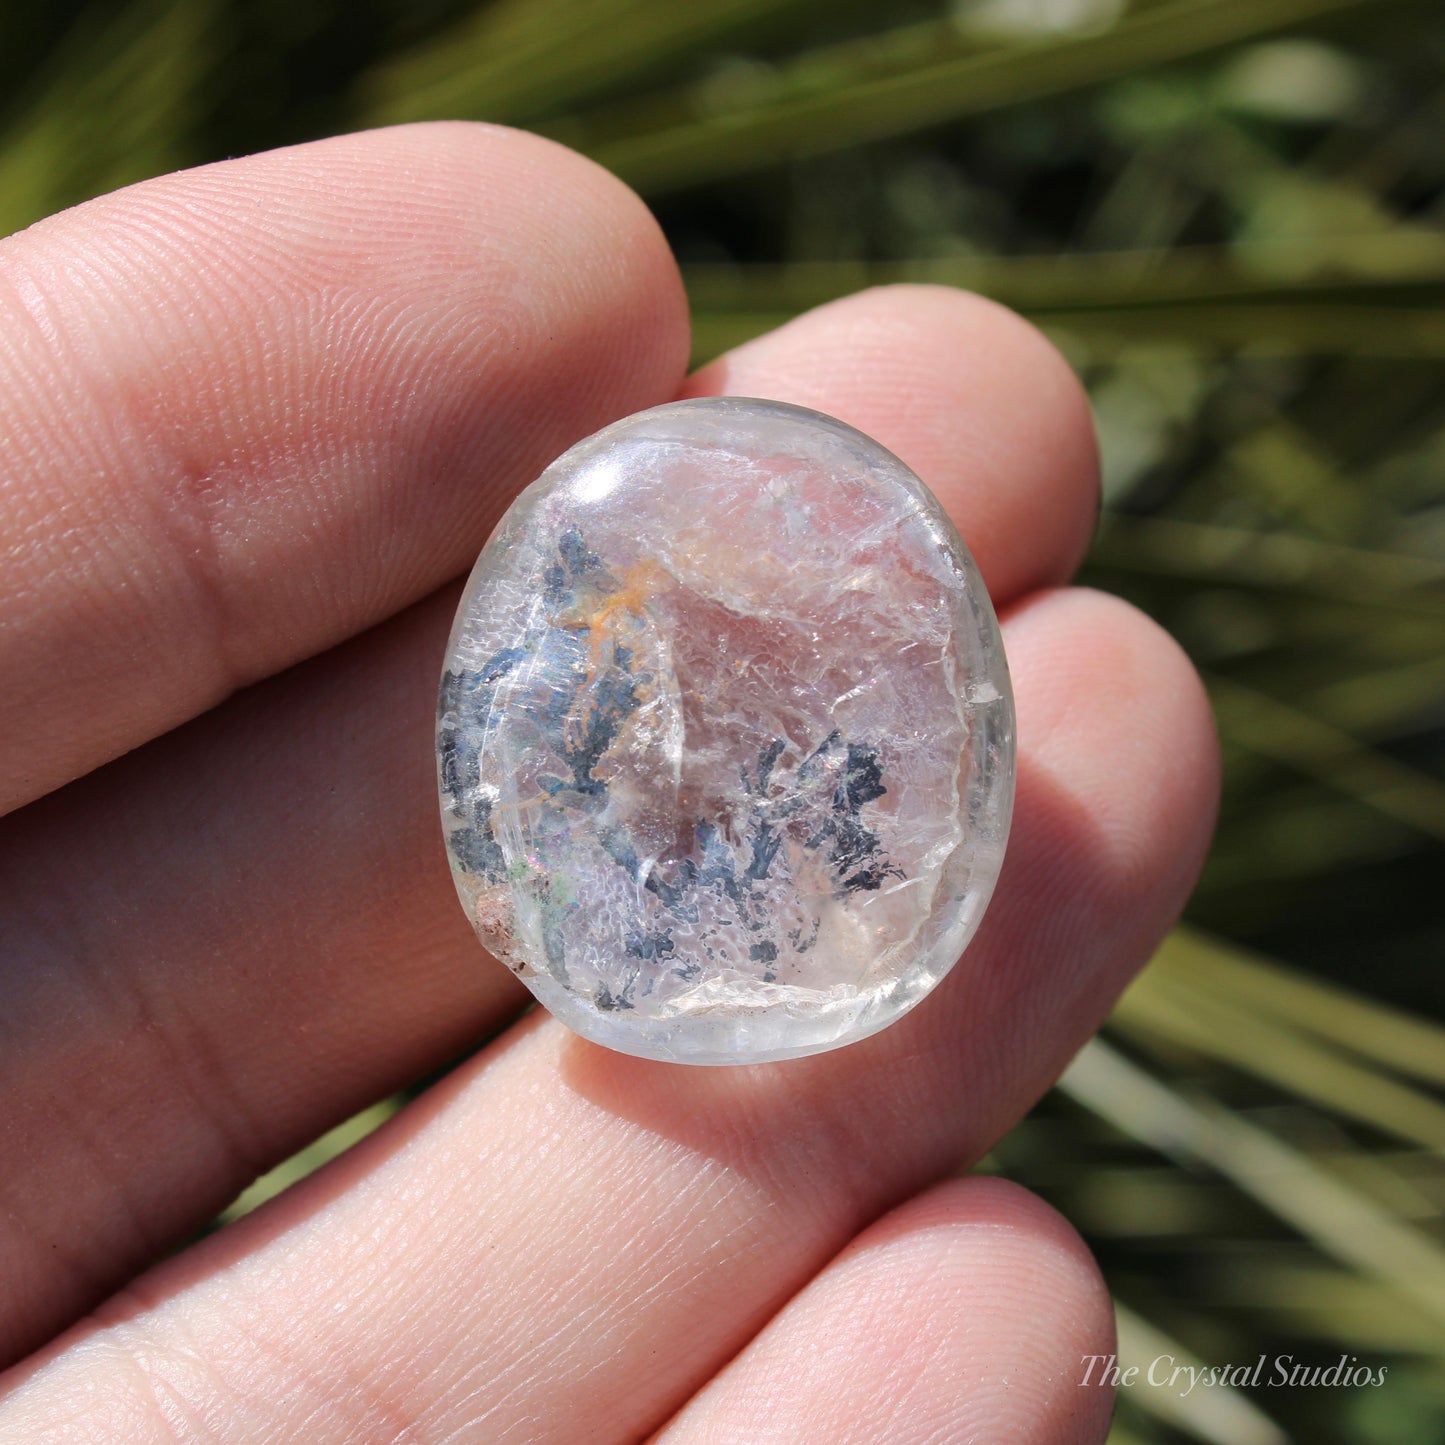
(725, 737)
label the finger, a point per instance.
(228, 942)
(218, 947)
(963, 1315)
(982, 407)
(248, 410)
(565, 1243)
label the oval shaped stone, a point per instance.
(725, 736)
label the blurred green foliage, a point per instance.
(1228, 213)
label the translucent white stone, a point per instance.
(725, 736)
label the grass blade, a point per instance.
(112, 107)
(1278, 731)
(1285, 561)
(1218, 1414)
(517, 60)
(817, 114)
(1397, 1040)
(1208, 1023)
(1340, 1220)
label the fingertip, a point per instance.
(1118, 783)
(1107, 693)
(1012, 1230)
(966, 1313)
(1017, 1303)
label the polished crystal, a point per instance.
(725, 736)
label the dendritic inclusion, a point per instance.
(725, 736)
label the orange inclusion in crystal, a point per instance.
(638, 583)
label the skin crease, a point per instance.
(239, 934)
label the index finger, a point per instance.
(251, 409)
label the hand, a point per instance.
(253, 418)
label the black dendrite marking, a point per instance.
(582, 706)
(854, 850)
(765, 953)
(466, 698)
(799, 942)
(474, 845)
(610, 1002)
(575, 566)
(821, 802)
(768, 754)
(593, 724)
(582, 714)
(652, 946)
(863, 781)
(764, 842)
